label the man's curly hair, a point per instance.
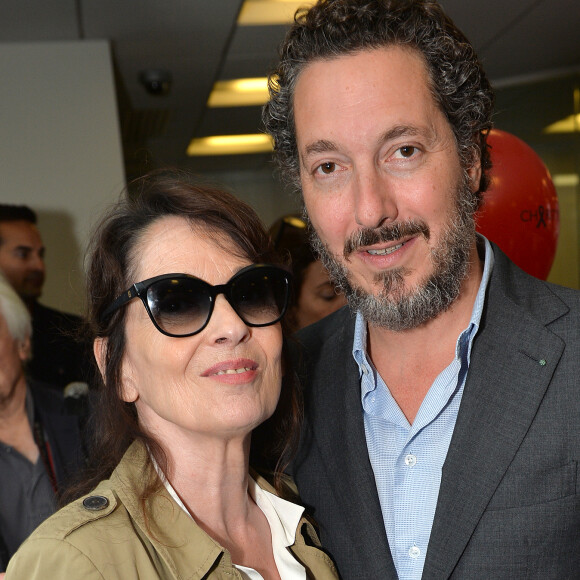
(334, 28)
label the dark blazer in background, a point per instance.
(63, 430)
(508, 506)
(59, 355)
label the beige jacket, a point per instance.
(107, 536)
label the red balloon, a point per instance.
(520, 208)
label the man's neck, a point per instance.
(29, 302)
(13, 403)
(409, 361)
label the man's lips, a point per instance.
(231, 367)
(385, 251)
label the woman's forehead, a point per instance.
(173, 244)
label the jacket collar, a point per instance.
(182, 545)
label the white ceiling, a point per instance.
(198, 42)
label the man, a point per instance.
(40, 444)
(57, 357)
(442, 426)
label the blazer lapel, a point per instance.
(348, 469)
(512, 362)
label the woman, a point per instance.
(189, 347)
(315, 296)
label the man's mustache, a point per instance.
(37, 277)
(387, 233)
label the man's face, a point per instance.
(382, 183)
(22, 258)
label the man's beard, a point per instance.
(395, 307)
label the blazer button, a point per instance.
(95, 503)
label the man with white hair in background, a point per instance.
(40, 444)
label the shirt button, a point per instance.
(411, 460)
(365, 370)
(414, 552)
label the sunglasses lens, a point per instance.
(180, 306)
(260, 296)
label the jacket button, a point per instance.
(95, 503)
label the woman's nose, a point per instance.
(225, 325)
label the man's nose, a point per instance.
(37, 262)
(375, 202)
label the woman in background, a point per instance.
(314, 294)
(185, 301)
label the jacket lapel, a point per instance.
(349, 471)
(513, 359)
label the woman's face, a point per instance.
(318, 297)
(222, 382)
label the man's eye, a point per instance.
(22, 253)
(407, 151)
(328, 167)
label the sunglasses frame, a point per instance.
(139, 290)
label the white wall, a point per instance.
(60, 149)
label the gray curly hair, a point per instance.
(333, 28)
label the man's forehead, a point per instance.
(20, 233)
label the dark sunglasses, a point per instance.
(181, 305)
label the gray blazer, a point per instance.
(508, 505)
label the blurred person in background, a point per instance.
(40, 443)
(58, 357)
(314, 295)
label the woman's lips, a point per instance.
(232, 369)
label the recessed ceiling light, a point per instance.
(239, 93)
(566, 179)
(230, 145)
(570, 124)
(270, 12)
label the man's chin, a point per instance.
(31, 294)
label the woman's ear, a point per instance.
(129, 393)
(100, 350)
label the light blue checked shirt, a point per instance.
(407, 459)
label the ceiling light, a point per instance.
(566, 180)
(268, 12)
(239, 93)
(570, 124)
(230, 145)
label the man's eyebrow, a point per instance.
(325, 146)
(400, 131)
(320, 146)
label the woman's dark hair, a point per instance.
(334, 28)
(111, 262)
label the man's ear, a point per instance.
(474, 173)
(25, 350)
